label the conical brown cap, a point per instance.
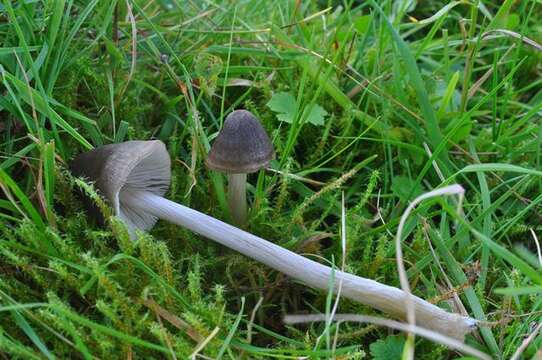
(131, 165)
(242, 146)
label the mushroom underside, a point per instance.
(143, 177)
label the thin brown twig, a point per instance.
(173, 319)
(166, 336)
(474, 88)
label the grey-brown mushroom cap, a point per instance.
(242, 146)
(131, 165)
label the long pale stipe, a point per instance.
(386, 298)
(237, 198)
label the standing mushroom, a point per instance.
(134, 175)
(241, 147)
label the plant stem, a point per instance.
(237, 198)
(388, 299)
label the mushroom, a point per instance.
(241, 147)
(133, 176)
(128, 166)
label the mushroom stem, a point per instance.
(369, 292)
(237, 198)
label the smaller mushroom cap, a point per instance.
(242, 146)
(131, 165)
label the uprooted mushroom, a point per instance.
(133, 177)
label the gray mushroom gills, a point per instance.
(237, 198)
(383, 297)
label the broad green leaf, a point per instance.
(316, 115)
(361, 24)
(284, 105)
(500, 18)
(390, 348)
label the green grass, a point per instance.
(413, 98)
